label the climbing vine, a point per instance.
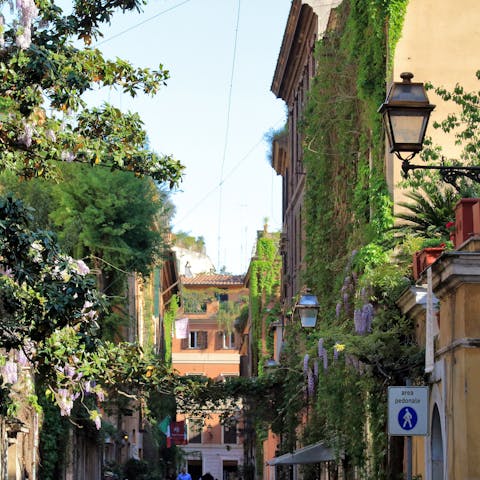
(264, 280)
(363, 343)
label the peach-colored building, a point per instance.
(205, 343)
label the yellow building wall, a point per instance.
(439, 44)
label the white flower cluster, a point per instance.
(27, 13)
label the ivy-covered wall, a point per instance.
(361, 344)
(264, 286)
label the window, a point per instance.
(228, 340)
(196, 339)
(222, 297)
(230, 431)
(194, 430)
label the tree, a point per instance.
(43, 71)
(49, 306)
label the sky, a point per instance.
(215, 113)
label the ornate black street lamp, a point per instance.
(406, 112)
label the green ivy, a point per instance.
(349, 264)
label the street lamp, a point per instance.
(307, 308)
(405, 113)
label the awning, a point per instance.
(315, 453)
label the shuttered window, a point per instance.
(196, 339)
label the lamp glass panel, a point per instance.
(402, 92)
(408, 127)
(308, 316)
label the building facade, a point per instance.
(205, 343)
(433, 35)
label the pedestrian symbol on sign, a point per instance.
(407, 418)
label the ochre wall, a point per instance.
(439, 44)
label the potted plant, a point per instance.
(432, 248)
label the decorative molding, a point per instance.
(459, 343)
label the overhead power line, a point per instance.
(227, 131)
(227, 176)
(133, 27)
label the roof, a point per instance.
(315, 453)
(213, 280)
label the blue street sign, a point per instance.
(408, 410)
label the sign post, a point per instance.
(408, 415)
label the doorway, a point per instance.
(437, 446)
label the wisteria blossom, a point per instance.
(82, 268)
(6, 271)
(88, 312)
(65, 400)
(320, 347)
(50, 135)
(67, 156)
(22, 358)
(27, 12)
(96, 418)
(36, 249)
(362, 319)
(10, 372)
(69, 370)
(306, 358)
(315, 370)
(26, 137)
(310, 382)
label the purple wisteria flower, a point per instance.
(345, 301)
(10, 372)
(6, 271)
(98, 422)
(100, 394)
(320, 347)
(362, 319)
(315, 370)
(306, 358)
(69, 371)
(67, 156)
(338, 310)
(310, 383)
(50, 135)
(26, 136)
(65, 401)
(28, 11)
(22, 358)
(325, 361)
(82, 267)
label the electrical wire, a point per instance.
(129, 29)
(227, 132)
(226, 177)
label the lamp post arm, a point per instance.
(449, 174)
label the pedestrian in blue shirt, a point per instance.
(184, 475)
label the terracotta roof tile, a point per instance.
(213, 279)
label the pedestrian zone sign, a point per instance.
(408, 411)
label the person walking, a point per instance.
(184, 475)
